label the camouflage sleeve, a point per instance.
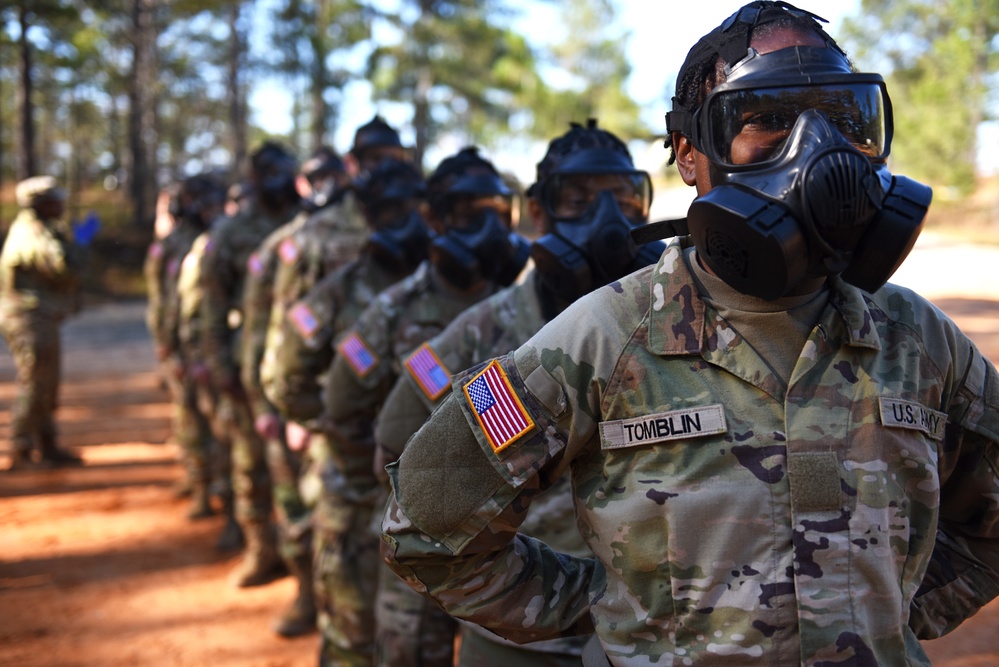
(216, 300)
(359, 380)
(403, 413)
(258, 299)
(189, 298)
(963, 572)
(451, 527)
(152, 270)
(298, 352)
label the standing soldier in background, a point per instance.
(279, 271)
(196, 203)
(587, 197)
(40, 270)
(473, 254)
(223, 273)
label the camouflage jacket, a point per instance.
(300, 353)
(162, 273)
(233, 240)
(40, 268)
(258, 302)
(494, 326)
(735, 520)
(190, 295)
(368, 361)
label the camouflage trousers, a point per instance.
(251, 483)
(191, 428)
(292, 513)
(480, 651)
(35, 346)
(346, 562)
(411, 630)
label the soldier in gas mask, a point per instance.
(777, 458)
(472, 255)
(586, 199)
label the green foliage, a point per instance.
(937, 56)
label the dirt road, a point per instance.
(100, 567)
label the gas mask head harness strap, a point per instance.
(390, 196)
(474, 207)
(593, 197)
(797, 143)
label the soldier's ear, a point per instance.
(684, 152)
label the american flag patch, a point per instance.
(254, 264)
(501, 415)
(357, 354)
(288, 250)
(429, 372)
(156, 250)
(304, 320)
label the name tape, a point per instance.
(674, 425)
(897, 413)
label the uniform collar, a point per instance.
(677, 312)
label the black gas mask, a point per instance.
(276, 183)
(477, 244)
(401, 245)
(593, 202)
(797, 145)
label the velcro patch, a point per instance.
(674, 425)
(304, 320)
(288, 251)
(357, 353)
(898, 413)
(429, 372)
(499, 411)
(255, 265)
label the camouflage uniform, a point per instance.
(282, 270)
(498, 324)
(39, 286)
(191, 428)
(299, 352)
(223, 274)
(401, 318)
(735, 519)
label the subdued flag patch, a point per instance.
(288, 250)
(358, 354)
(304, 320)
(429, 372)
(254, 264)
(498, 409)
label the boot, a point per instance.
(261, 563)
(20, 456)
(300, 617)
(201, 507)
(52, 454)
(231, 538)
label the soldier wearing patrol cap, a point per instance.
(777, 458)
(40, 270)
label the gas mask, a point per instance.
(276, 184)
(593, 202)
(401, 245)
(797, 144)
(477, 244)
(484, 249)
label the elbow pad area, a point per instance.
(444, 478)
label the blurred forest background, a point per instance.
(121, 97)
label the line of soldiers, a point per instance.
(308, 334)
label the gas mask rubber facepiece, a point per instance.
(593, 202)
(402, 244)
(797, 146)
(477, 244)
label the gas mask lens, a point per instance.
(466, 212)
(750, 126)
(572, 196)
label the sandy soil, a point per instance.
(100, 567)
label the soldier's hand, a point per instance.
(268, 426)
(297, 436)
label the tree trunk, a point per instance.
(236, 92)
(27, 165)
(139, 85)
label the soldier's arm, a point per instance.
(152, 270)
(216, 301)
(257, 305)
(460, 493)
(403, 413)
(963, 572)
